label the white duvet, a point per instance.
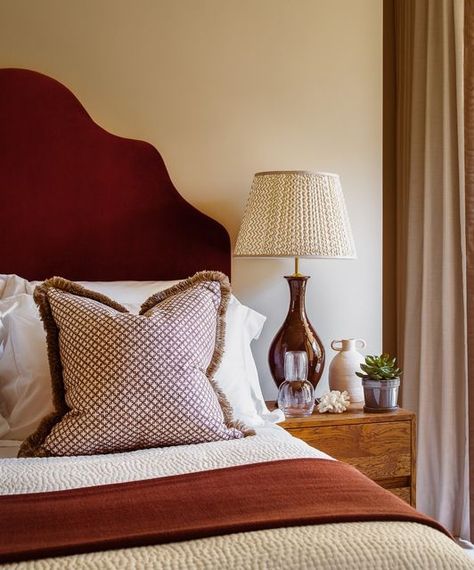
(356, 546)
(35, 475)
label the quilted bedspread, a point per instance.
(380, 545)
(348, 546)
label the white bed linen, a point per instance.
(342, 546)
(25, 384)
(35, 475)
(353, 546)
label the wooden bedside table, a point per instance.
(380, 445)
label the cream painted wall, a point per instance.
(225, 88)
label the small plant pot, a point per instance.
(380, 396)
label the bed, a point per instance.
(119, 226)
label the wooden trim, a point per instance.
(354, 415)
(395, 482)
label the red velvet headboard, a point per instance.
(82, 203)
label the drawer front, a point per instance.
(380, 450)
(402, 492)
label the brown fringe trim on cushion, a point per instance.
(31, 447)
(223, 280)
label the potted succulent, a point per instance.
(380, 380)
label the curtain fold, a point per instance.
(469, 189)
(430, 249)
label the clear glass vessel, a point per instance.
(296, 393)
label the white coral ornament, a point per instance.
(334, 402)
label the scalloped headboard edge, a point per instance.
(85, 204)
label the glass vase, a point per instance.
(297, 334)
(296, 394)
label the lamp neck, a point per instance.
(297, 284)
(297, 268)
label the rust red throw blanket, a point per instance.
(196, 505)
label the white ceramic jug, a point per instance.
(344, 366)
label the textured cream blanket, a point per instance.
(371, 545)
(348, 546)
(36, 475)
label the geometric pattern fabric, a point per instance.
(295, 213)
(135, 381)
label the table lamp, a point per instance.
(296, 214)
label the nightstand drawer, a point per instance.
(380, 450)
(380, 445)
(404, 493)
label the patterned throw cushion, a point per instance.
(123, 381)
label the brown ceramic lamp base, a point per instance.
(297, 333)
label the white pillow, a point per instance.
(124, 292)
(4, 428)
(25, 384)
(25, 391)
(237, 374)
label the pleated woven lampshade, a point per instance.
(296, 214)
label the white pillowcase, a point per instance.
(25, 385)
(124, 292)
(4, 428)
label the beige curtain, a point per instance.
(430, 256)
(469, 178)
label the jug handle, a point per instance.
(334, 347)
(362, 343)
